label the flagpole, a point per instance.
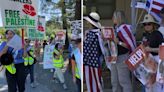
(133, 21)
(133, 16)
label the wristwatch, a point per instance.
(120, 43)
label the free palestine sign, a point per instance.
(19, 13)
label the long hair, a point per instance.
(120, 17)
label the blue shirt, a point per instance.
(18, 54)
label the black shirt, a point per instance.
(154, 39)
(121, 49)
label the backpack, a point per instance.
(7, 58)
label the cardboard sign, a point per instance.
(136, 58)
(48, 57)
(60, 37)
(108, 33)
(19, 13)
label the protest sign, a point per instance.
(140, 4)
(113, 51)
(143, 65)
(160, 71)
(19, 13)
(108, 33)
(60, 37)
(75, 28)
(15, 42)
(136, 58)
(48, 57)
(41, 24)
(34, 34)
(161, 51)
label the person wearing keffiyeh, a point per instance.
(125, 40)
(93, 50)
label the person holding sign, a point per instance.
(77, 64)
(17, 79)
(125, 40)
(152, 38)
(29, 61)
(58, 63)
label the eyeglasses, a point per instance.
(147, 24)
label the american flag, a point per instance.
(125, 33)
(153, 7)
(91, 61)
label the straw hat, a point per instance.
(94, 19)
(149, 19)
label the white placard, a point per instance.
(48, 57)
(15, 42)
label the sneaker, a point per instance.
(33, 85)
(64, 86)
(55, 80)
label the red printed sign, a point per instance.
(108, 33)
(161, 52)
(29, 9)
(136, 58)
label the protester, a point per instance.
(152, 38)
(92, 53)
(14, 79)
(44, 44)
(76, 64)
(125, 40)
(58, 63)
(161, 28)
(29, 61)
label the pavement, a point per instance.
(43, 80)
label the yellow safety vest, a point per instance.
(28, 60)
(58, 62)
(11, 68)
(77, 72)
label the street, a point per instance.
(43, 81)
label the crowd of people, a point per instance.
(94, 51)
(19, 63)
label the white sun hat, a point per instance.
(94, 19)
(149, 19)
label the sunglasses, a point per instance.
(147, 24)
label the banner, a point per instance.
(108, 33)
(48, 57)
(75, 28)
(19, 13)
(60, 37)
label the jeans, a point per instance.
(78, 82)
(30, 69)
(17, 80)
(120, 75)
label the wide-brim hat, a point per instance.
(93, 18)
(149, 19)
